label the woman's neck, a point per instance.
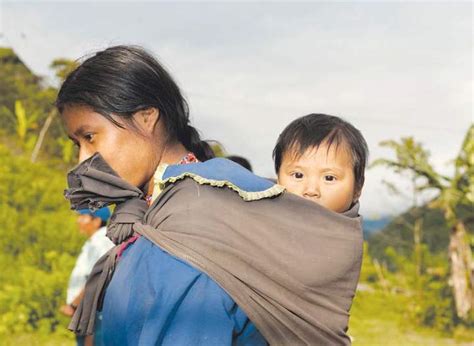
(172, 154)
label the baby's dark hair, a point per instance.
(313, 129)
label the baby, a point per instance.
(322, 158)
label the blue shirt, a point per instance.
(157, 299)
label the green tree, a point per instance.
(63, 67)
(28, 116)
(38, 245)
(453, 192)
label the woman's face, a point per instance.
(133, 155)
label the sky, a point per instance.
(392, 69)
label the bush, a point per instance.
(38, 246)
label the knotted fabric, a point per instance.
(93, 184)
(125, 215)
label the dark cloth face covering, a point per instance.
(93, 184)
(289, 263)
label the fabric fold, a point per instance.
(93, 184)
(83, 320)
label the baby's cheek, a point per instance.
(344, 200)
(333, 198)
(290, 188)
(295, 188)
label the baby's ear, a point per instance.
(357, 193)
(358, 189)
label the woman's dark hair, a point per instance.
(311, 130)
(123, 80)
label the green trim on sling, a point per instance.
(247, 196)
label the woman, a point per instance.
(210, 267)
(124, 105)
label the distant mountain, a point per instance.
(399, 235)
(17, 82)
(371, 226)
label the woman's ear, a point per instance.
(147, 119)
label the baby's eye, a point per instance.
(297, 175)
(330, 178)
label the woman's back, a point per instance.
(155, 298)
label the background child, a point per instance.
(93, 225)
(322, 158)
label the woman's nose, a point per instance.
(84, 154)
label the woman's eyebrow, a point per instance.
(80, 130)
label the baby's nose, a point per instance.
(312, 191)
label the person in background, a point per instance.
(241, 161)
(93, 226)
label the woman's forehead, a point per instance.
(76, 114)
(77, 118)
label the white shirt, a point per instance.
(93, 249)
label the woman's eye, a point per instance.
(329, 178)
(298, 175)
(89, 137)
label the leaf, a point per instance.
(67, 149)
(21, 120)
(30, 142)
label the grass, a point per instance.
(381, 319)
(35, 339)
(376, 319)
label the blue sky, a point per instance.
(248, 69)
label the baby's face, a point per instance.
(321, 175)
